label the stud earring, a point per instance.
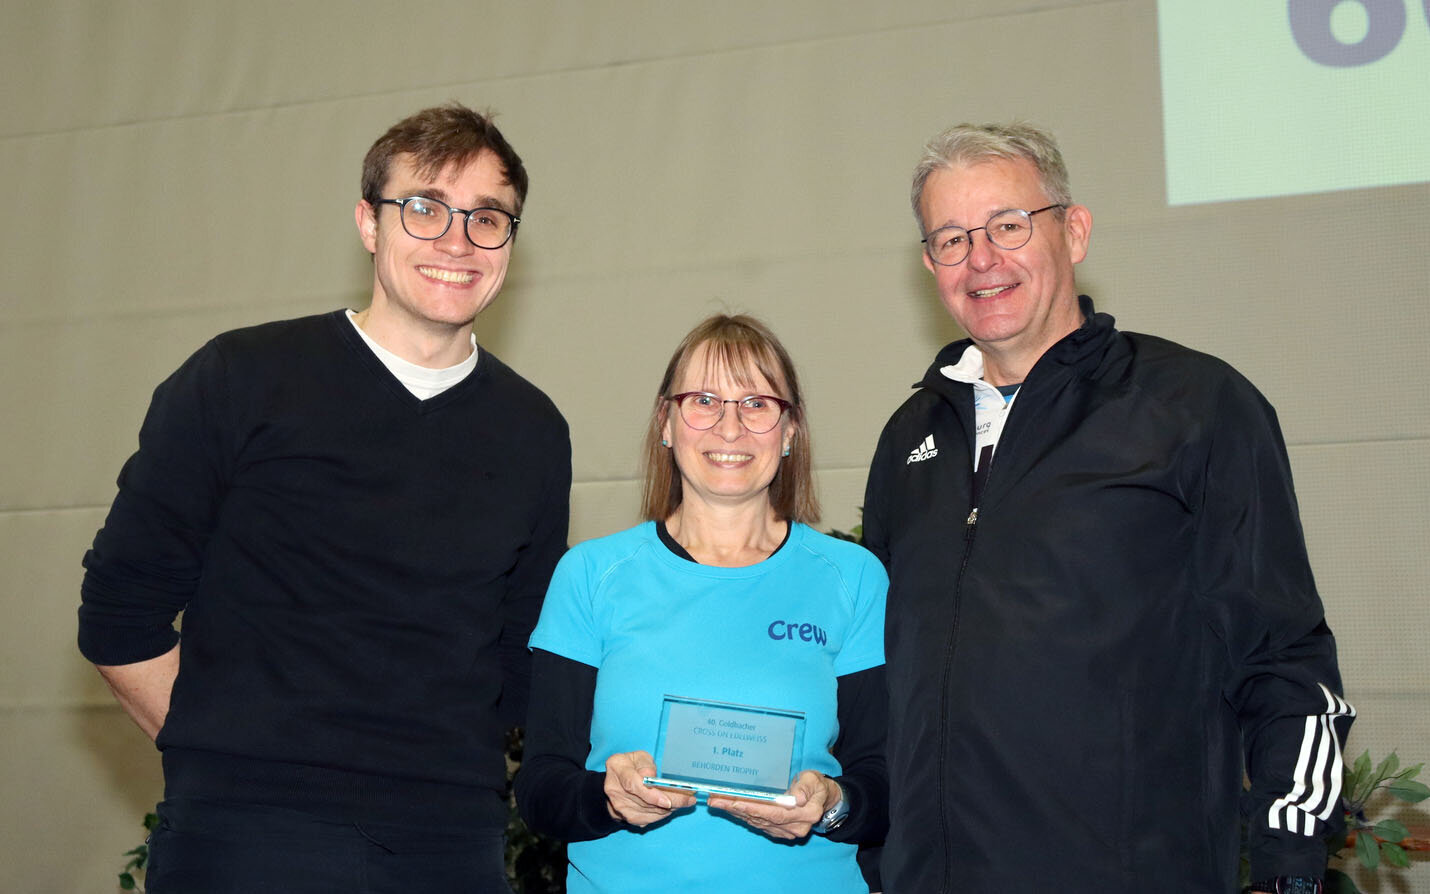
(786, 453)
(664, 442)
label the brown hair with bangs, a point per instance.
(435, 138)
(744, 346)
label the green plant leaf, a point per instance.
(1367, 851)
(150, 821)
(1395, 855)
(1409, 790)
(1362, 764)
(1356, 783)
(1390, 830)
(1338, 882)
(1411, 772)
(126, 881)
(1388, 766)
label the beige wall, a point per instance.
(179, 168)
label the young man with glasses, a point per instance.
(358, 514)
(1100, 609)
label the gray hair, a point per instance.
(966, 144)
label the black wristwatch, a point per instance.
(1290, 884)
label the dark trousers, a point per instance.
(209, 847)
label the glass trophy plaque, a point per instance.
(718, 748)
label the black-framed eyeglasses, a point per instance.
(429, 219)
(1010, 229)
(702, 410)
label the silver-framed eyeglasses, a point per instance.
(429, 219)
(702, 410)
(1010, 229)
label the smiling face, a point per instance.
(436, 287)
(726, 464)
(1013, 304)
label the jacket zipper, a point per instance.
(970, 528)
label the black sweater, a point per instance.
(359, 571)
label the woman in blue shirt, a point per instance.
(725, 594)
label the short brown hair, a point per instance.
(435, 138)
(744, 346)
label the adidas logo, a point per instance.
(924, 451)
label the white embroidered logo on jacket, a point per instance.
(924, 451)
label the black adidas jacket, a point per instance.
(1079, 665)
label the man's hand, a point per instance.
(143, 688)
(630, 800)
(813, 793)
